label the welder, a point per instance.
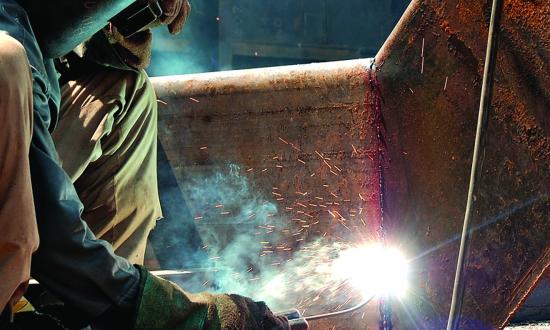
(78, 192)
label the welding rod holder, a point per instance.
(295, 319)
(298, 324)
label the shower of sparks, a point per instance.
(312, 247)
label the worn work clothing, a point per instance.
(18, 235)
(81, 270)
(110, 117)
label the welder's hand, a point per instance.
(257, 313)
(164, 305)
(175, 13)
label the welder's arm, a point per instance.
(163, 305)
(135, 52)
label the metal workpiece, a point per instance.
(394, 139)
(429, 74)
(276, 120)
(302, 135)
(308, 77)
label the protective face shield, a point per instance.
(60, 25)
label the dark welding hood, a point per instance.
(60, 25)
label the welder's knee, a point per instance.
(143, 79)
(146, 94)
(139, 98)
(127, 166)
(14, 66)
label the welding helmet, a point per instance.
(61, 25)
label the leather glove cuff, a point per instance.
(164, 305)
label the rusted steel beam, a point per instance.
(422, 100)
(429, 76)
(304, 137)
(268, 118)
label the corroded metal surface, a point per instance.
(279, 119)
(429, 74)
(280, 125)
(303, 137)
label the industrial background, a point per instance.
(242, 34)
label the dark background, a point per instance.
(240, 34)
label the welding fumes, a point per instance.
(270, 254)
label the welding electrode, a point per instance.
(299, 322)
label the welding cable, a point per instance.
(484, 107)
(339, 313)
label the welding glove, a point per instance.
(164, 305)
(175, 14)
